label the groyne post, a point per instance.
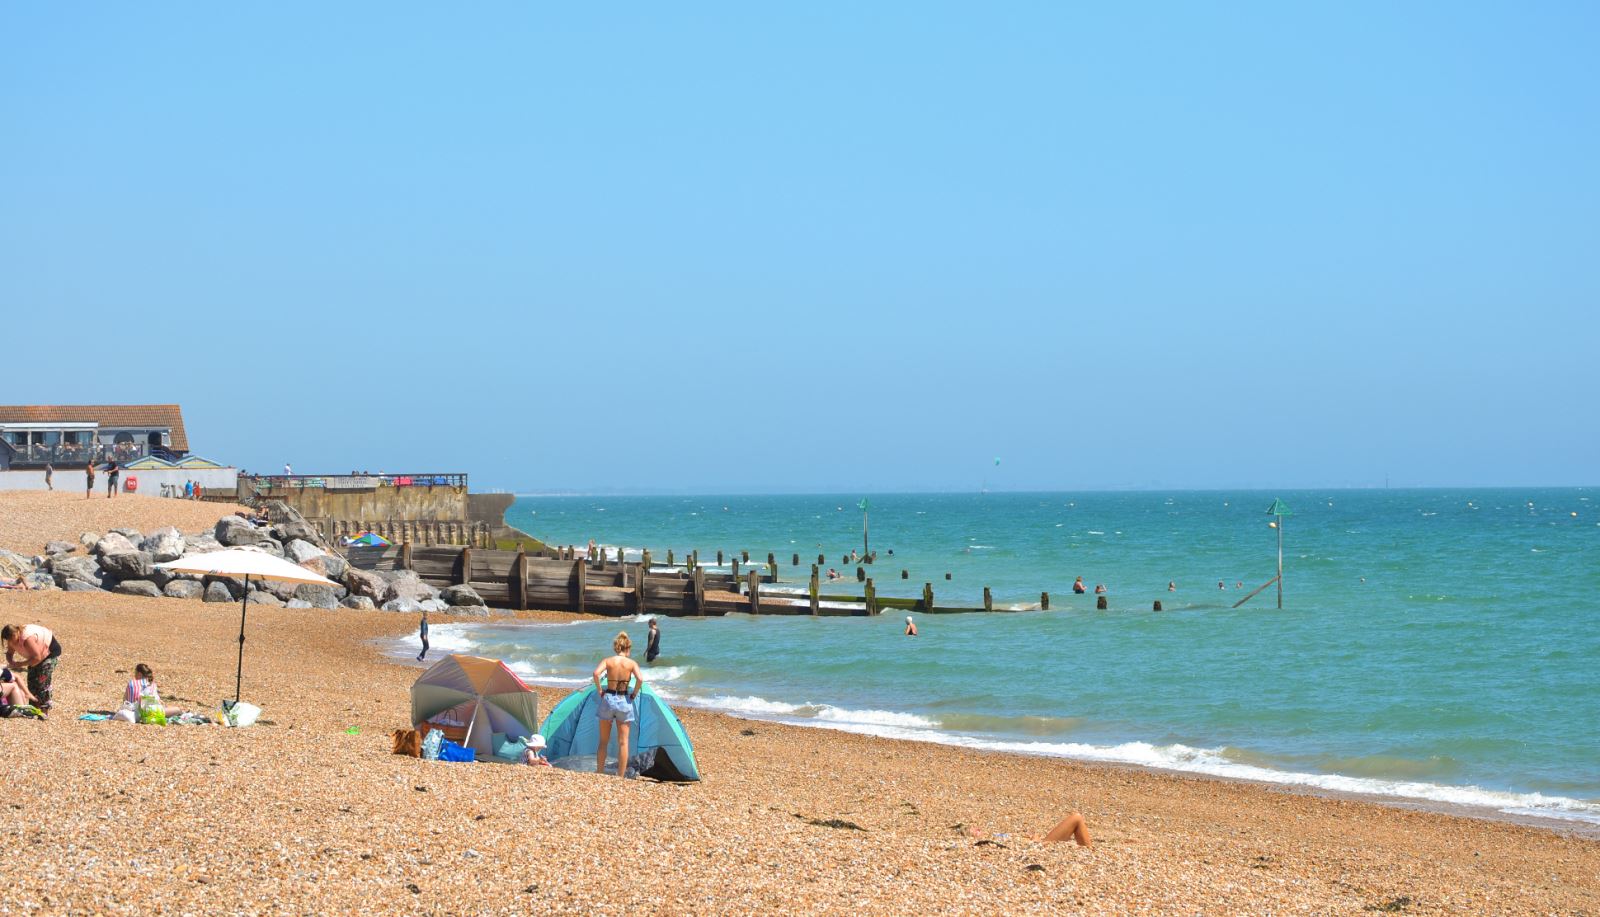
(813, 588)
(1156, 606)
(745, 557)
(771, 562)
(669, 558)
(927, 596)
(772, 568)
(579, 575)
(754, 589)
(699, 590)
(405, 555)
(1044, 601)
(519, 579)
(464, 574)
(988, 600)
(905, 574)
(795, 562)
(872, 599)
(736, 568)
(719, 560)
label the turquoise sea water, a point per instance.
(1463, 669)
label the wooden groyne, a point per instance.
(564, 581)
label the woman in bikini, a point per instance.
(616, 703)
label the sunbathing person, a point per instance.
(13, 694)
(1073, 827)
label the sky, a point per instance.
(819, 247)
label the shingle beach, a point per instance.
(309, 813)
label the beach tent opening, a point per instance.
(480, 695)
(657, 743)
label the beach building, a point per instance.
(148, 441)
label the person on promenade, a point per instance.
(1078, 588)
(188, 490)
(1073, 827)
(111, 480)
(49, 476)
(287, 469)
(88, 479)
(34, 648)
(197, 490)
(616, 703)
(911, 627)
(652, 646)
(422, 634)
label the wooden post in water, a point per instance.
(736, 569)
(464, 577)
(905, 574)
(1100, 603)
(861, 574)
(1044, 601)
(579, 584)
(1278, 510)
(719, 560)
(795, 562)
(644, 565)
(1156, 606)
(872, 599)
(694, 557)
(699, 590)
(602, 553)
(669, 558)
(639, 602)
(772, 568)
(813, 589)
(745, 556)
(947, 576)
(927, 596)
(754, 588)
(988, 600)
(771, 561)
(821, 560)
(519, 580)
(405, 555)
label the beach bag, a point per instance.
(450, 751)
(239, 713)
(151, 712)
(407, 743)
(431, 743)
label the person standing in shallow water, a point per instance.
(616, 702)
(652, 647)
(422, 634)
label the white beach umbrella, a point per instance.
(249, 563)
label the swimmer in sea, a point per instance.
(1221, 585)
(1172, 586)
(1099, 588)
(1078, 587)
(911, 627)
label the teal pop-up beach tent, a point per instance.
(657, 742)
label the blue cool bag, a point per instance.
(450, 751)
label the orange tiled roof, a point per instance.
(154, 416)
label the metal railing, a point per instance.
(68, 454)
(279, 483)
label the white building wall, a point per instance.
(214, 480)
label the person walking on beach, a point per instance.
(911, 627)
(652, 646)
(34, 648)
(616, 703)
(422, 634)
(111, 480)
(49, 476)
(88, 478)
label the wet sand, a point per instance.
(298, 816)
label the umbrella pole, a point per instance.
(244, 603)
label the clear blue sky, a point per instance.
(838, 247)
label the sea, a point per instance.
(1437, 646)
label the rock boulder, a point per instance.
(163, 544)
(300, 551)
(358, 603)
(264, 598)
(461, 595)
(218, 591)
(468, 611)
(132, 565)
(234, 531)
(137, 587)
(131, 534)
(317, 596)
(406, 585)
(184, 589)
(60, 547)
(114, 542)
(365, 583)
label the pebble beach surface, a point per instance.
(300, 815)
